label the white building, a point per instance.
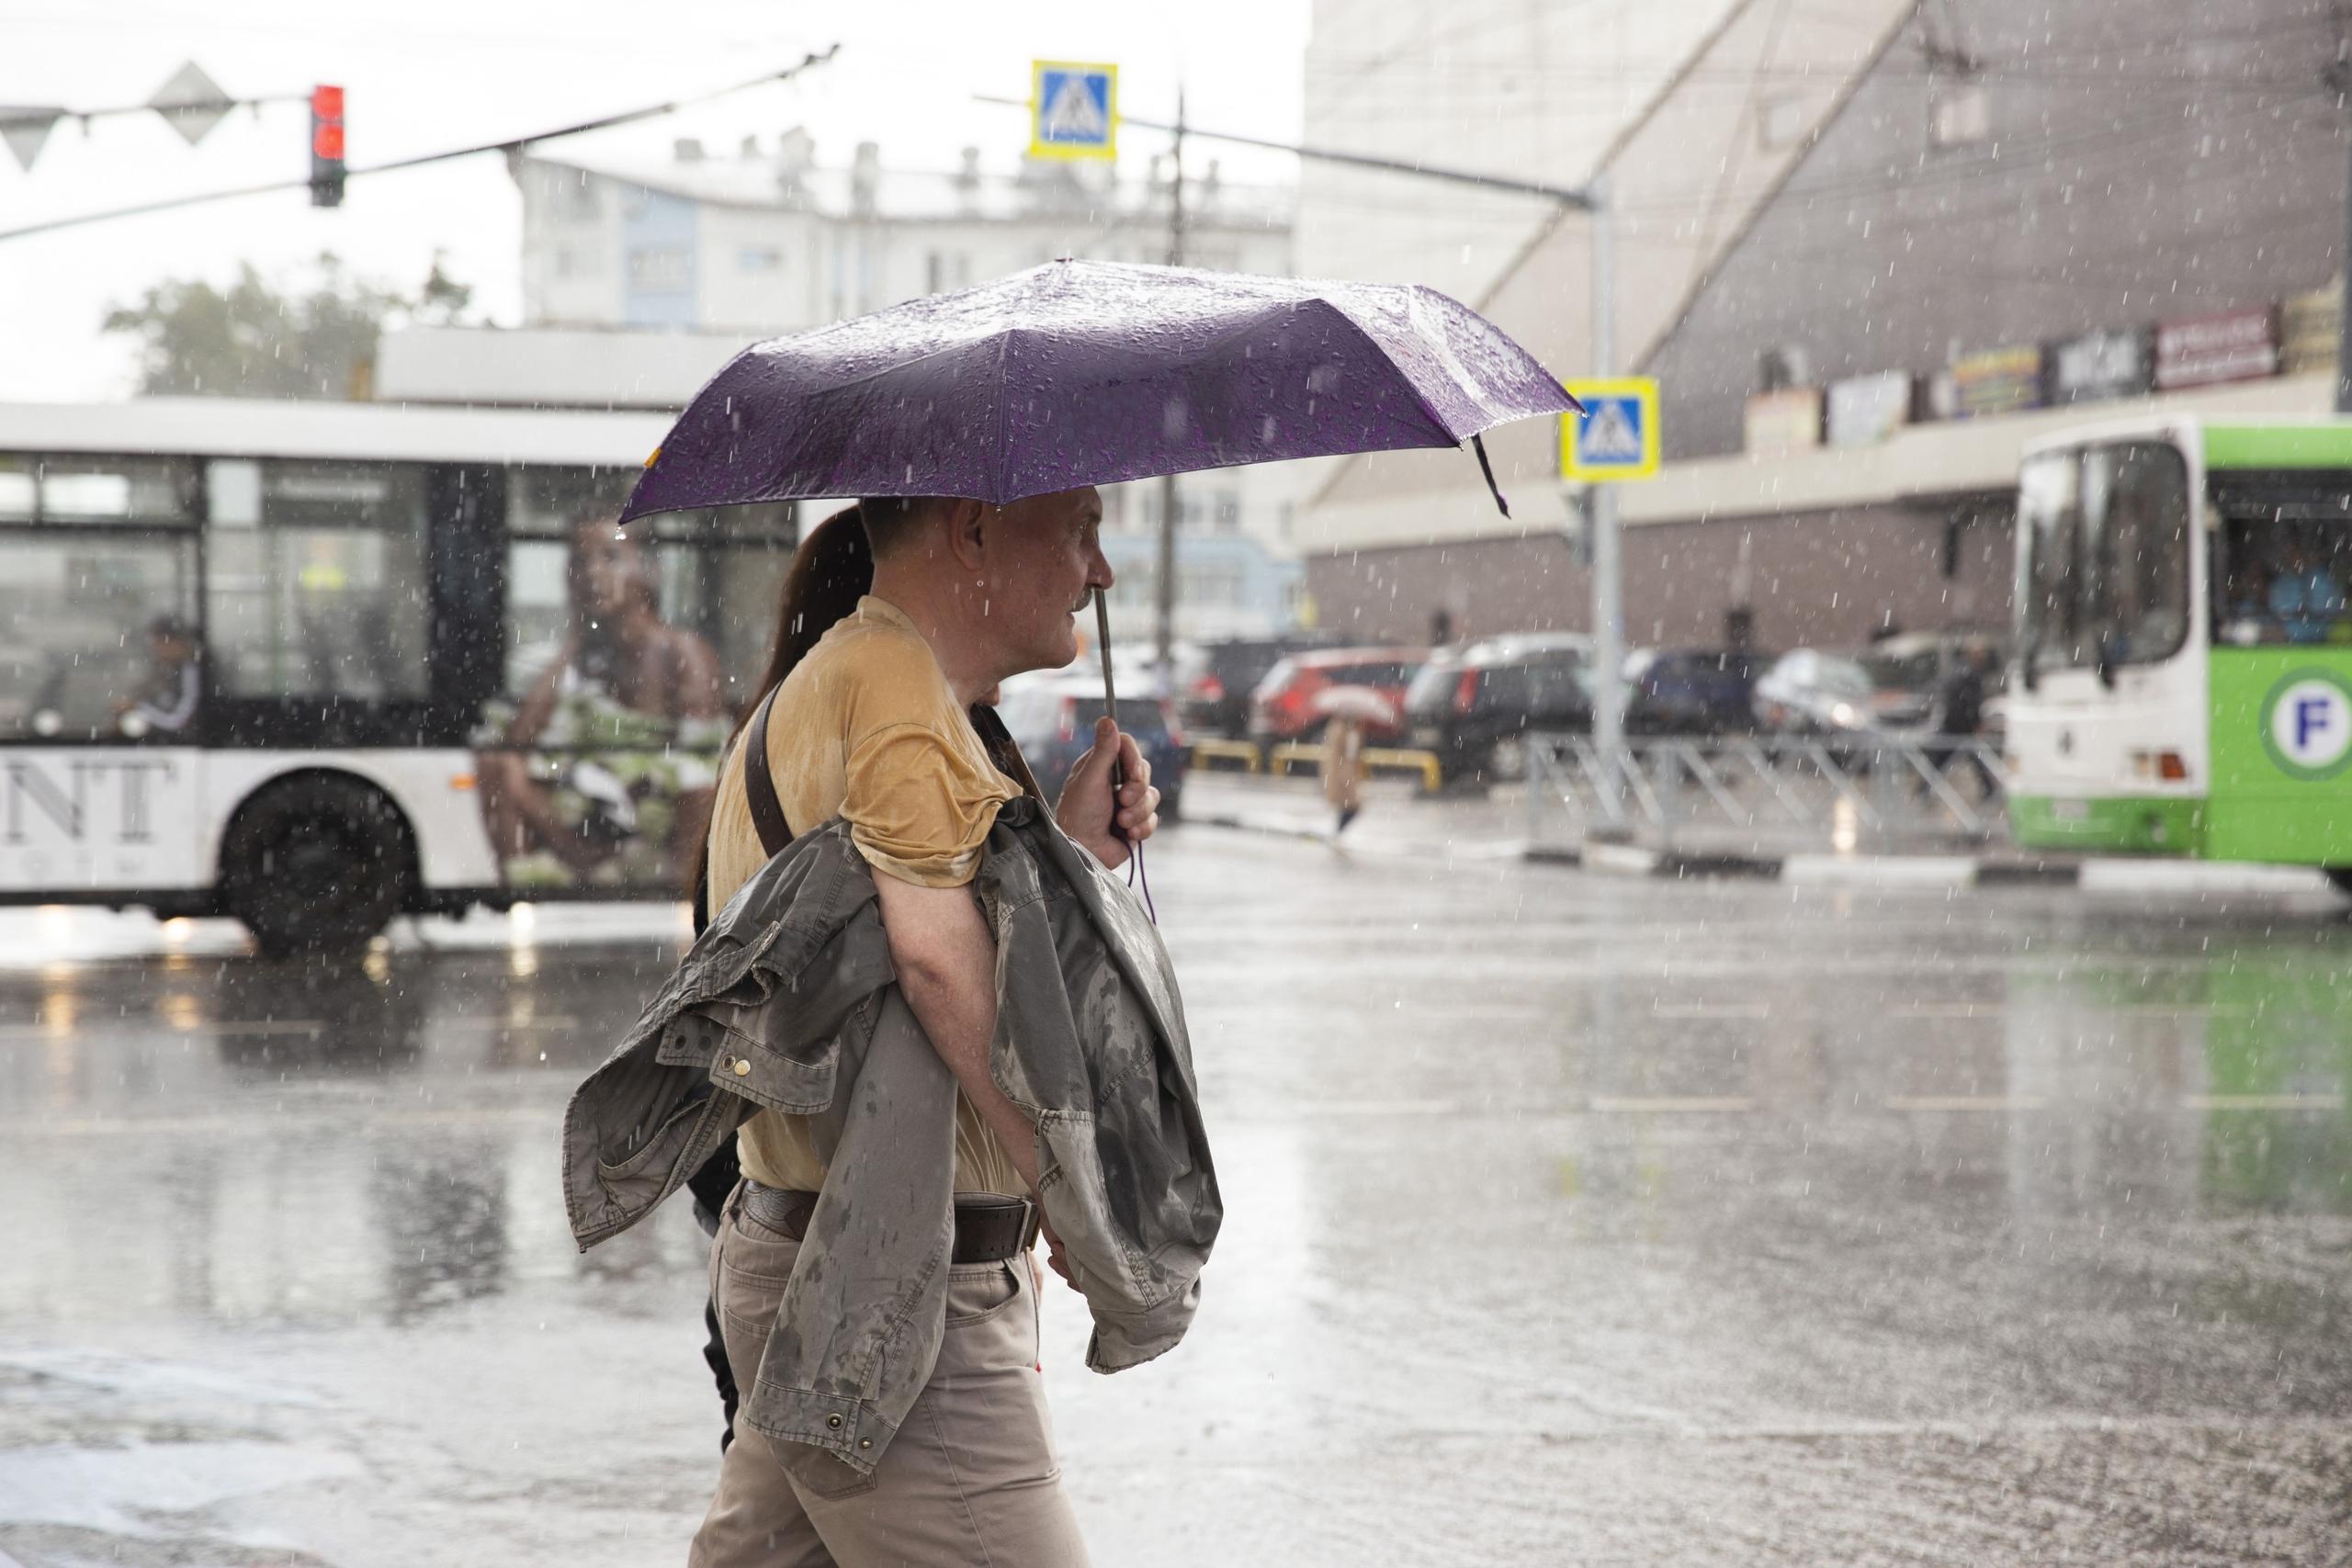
(640, 276)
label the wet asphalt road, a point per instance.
(1573, 1219)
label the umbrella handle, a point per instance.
(1118, 769)
(1110, 703)
(1103, 646)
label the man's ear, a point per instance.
(966, 524)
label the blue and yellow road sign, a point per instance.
(1616, 438)
(1073, 109)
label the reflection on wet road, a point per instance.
(1572, 1219)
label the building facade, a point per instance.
(694, 254)
(1867, 249)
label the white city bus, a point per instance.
(314, 665)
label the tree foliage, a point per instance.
(312, 338)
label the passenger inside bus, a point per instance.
(173, 692)
(603, 772)
(2284, 582)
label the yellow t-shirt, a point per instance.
(867, 728)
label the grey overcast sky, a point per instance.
(424, 74)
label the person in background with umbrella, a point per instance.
(874, 721)
(1348, 709)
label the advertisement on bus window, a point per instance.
(596, 770)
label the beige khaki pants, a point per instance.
(969, 1479)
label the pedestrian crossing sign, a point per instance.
(1073, 109)
(1616, 436)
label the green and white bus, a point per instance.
(2183, 676)
(315, 665)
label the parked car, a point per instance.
(1813, 691)
(1474, 706)
(1691, 691)
(1217, 699)
(1282, 707)
(1915, 675)
(1051, 718)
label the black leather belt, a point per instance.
(989, 1228)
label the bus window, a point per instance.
(82, 618)
(2135, 540)
(2282, 578)
(115, 490)
(324, 594)
(17, 489)
(596, 770)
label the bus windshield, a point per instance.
(2102, 557)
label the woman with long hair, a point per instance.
(830, 572)
(832, 567)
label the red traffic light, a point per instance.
(326, 146)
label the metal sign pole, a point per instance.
(1608, 559)
(1164, 643)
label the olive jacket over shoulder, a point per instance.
(790, 1002)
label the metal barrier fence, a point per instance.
(1769, 793)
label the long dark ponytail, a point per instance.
(830, 572)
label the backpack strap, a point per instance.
(759, 782)
(1004, 753)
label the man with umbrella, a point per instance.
(1020, 397)
(872, 725)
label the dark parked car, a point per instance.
(1052, 717)
(1473, 706)
(1684, 691)
(1217, 700)
(1282, 707)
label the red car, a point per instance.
(1282, 707)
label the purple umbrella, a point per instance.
(1083, 373)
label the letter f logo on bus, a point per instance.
(2311, 716)
(2307, 724)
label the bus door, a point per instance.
(101, 677)
(2282, 668)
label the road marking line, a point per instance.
(2262, 1102)
(1711, 1009)
(1608, 1105)
(1964, 1102)
(109, 1126)
(260, 1026)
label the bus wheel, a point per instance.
(2341, 876)
(316, 866)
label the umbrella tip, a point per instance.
(1479, 445)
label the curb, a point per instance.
(2118, 877)
(2005, 868)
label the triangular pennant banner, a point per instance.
(26, 130)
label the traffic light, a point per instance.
(326, 147)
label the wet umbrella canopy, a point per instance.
(1082, 373)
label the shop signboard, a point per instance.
(2307, 330)
(2227, 345)
(1864, 410)
(1785, 420)
(2000, 380)
(2097, 366)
